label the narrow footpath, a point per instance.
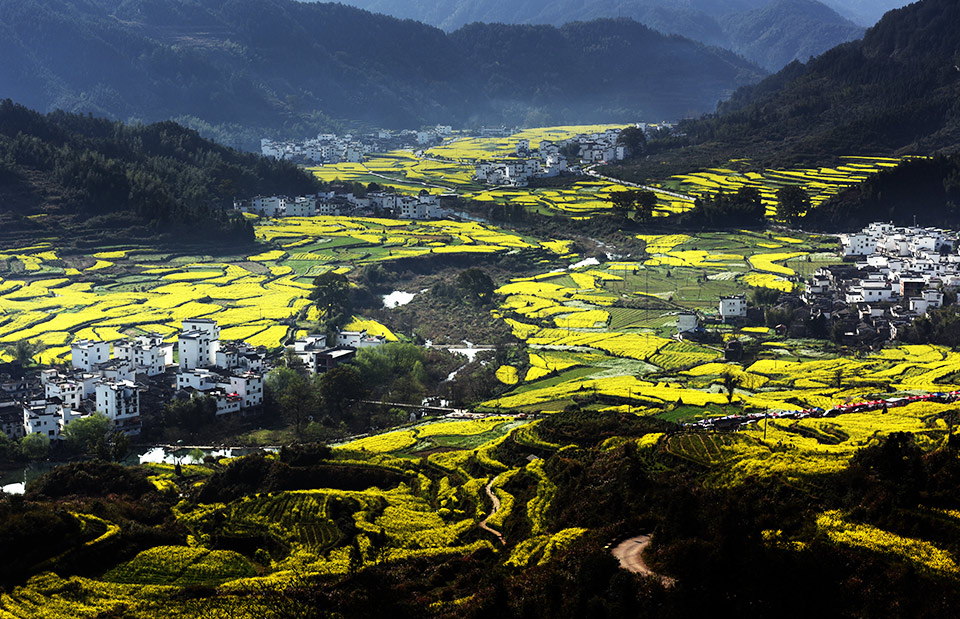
(496, 507)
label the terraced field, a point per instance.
(55, 299)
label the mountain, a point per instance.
(894, 91)
(290, 68)
(787, 30)
(114, 181)
(770, 33)
(865, 12)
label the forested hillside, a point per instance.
(895, 90)
(245, 67)
(124, 181)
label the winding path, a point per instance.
(496, 507)
(630, 554)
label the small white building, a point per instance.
(148, 354)
(249, 387)
(198, 343)
(687, 322)
(199, 379)
(269, 206)
(860, 244)
(43, 417)
(87, 354)
(302, 206)
(65, 389)
(119, 400)
(732, 308)
(359, 339)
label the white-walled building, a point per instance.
(733, 307)
(317, 357)
(359, 339)
(148, 354)
(301, 206)
(249, 387)
(87, 354)
(687, 322)
(65, 389)
(43, 417)
(199, 379)
(119, 400)
(861, 244)
(198, 343)
(268, 206)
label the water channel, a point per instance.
(14, 481)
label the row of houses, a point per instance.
(422, 206)
(109, 377)
(897, 242)
(329, 148)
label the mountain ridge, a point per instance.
(243, 67)
(768, 33)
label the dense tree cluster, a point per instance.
(921, 191)
(162, 177)
(329, 404)
(743, 209)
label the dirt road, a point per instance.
(630, 554)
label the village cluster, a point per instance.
(378, 203)
(551, 158)
(111, 384)
(890, 277)
(329, 148)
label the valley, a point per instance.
(593, 310)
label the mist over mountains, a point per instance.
(770, 33)
(236, 68)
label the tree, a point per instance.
(338, 387)
(35, 446)
(23, 351)
(792, 204)
(642, 200)
(83, 434)
(646, 201)
(331, 295)
(622, 201)
(9, 450)
(570, 150)
(298, 401)
(476, 285)
(633, 139)
(191, 414)
(730, 383)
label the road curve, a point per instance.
(630, 554)
(496, 507)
